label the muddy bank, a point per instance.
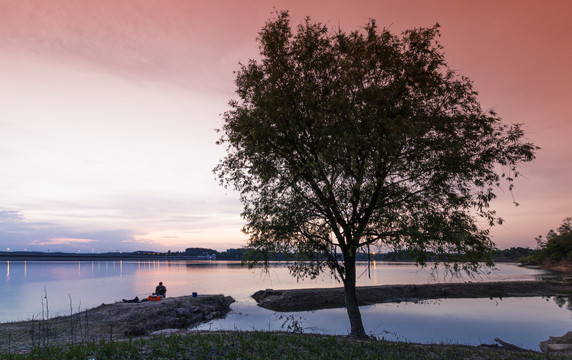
(315, 299)
(114, 322)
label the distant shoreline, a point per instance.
(93, 257)
(108, 257)
(40, 256)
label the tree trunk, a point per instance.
(357, 329)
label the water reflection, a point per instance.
(190, 265)
(521, 321)
(563, 301)
(463, 320)
(380, 273)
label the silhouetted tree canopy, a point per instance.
(341, 141)
(556, 247)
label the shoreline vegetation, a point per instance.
(146, 328)
(554, 252)
(273, 345)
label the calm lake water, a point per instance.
(79, 285)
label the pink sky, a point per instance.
(109, 107)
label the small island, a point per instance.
(315, 299)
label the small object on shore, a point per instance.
(195, 294)
(134, 300)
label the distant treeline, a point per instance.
(556, 247)
(513, 254)
(190, 253)
(229, 254)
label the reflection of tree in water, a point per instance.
(562, 301)
(549, 276)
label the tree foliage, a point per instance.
(557, 246)
(341, 141)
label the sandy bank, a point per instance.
(315, 299)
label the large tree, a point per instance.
(341, 141)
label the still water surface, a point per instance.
(79, 285)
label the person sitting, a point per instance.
(161, 290)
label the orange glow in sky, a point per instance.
(109, 109)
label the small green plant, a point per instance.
(292, 324)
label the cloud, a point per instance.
(63, 241)
(18, 234)
(7, 216)
(134, 157)
(171, 228)
(173, 41)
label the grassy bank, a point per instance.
(265, 345)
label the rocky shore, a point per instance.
(564, 267)
(114, 322)
(315, 299)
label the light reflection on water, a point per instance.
(81, 285)
(521, 321)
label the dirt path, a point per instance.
(315, 299)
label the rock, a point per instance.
(197, 317)
(558, 347)
(183, 312)
(165, 332)
(558, 344)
